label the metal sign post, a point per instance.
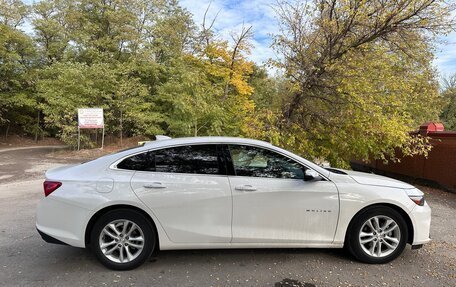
(79, 137)
(102, 139)
(90, 118)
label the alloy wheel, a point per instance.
(379, 236)
(121, 241)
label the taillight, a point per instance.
(418, 199)
(50, 186)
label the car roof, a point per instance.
(206, 139)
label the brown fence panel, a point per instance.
(439, 167)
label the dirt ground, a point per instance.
(19, 141)
(26, 260)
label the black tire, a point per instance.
(354, 245)
(133, 216)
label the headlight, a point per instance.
(416, 196)
(418, 199)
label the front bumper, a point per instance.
(421, 218)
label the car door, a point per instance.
(272, 203)
(187, 189)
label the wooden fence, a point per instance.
(438, 168)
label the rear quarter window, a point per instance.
(140, 162)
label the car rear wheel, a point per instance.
(122, 239)
(377, 235)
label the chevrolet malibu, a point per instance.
(221, 192)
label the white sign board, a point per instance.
(90, 119)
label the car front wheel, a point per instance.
(122, 239)
(377, 235)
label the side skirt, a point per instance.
(182, 246)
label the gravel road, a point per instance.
(26, 260)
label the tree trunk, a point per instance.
(37, 126)
(225, 91)
(196, 128)
(121, 128)
(7, 130)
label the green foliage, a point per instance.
(13, 13)
(354, 76)
(141, 61)
(448, 115)
(360, 76)
(17, 101)
(52, 23)
(189, 102)
(68, 86)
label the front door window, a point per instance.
(257, 162)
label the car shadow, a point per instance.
(259, 253)
(67, 256)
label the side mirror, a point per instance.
(311, 174)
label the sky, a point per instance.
(446, 56)
(232, 14)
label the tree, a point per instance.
(267, 89)
(172, 32)
(360, 76)
(238, 67)
(17, 63)
(111, 49)
(354, 76)
(195, 97)
(448, 115)
(190, 102)
(228, 69)
(68, 86)
(52, 25)
(13, 13)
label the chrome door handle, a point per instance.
(246, 187)
(154, 185)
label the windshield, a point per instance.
(335, 170)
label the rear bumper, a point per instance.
(50, 239)
(61, 222)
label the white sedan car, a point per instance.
(220, 192)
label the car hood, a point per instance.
(373, 179)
